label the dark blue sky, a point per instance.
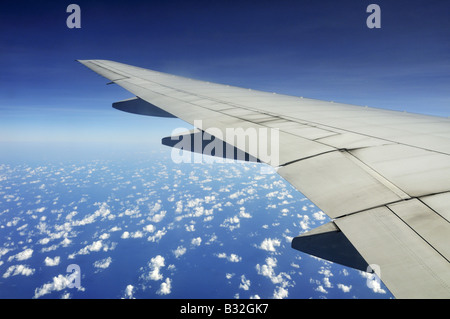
(318, 49)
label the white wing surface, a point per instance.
(382, 176)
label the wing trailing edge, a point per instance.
(200, 142)
(139, 106)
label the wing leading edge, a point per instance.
(382, 176)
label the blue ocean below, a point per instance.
(138, 225)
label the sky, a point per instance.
(317, 49)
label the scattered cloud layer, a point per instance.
(226, 217)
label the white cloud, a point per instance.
(125, 235)
(196, 241)
(158, 217)
(156, 207)
(243, 214)
(94, 247)
(231, 223)
(155, 265)
(22, 227)
(165, 287)
(137, 234)
(236, 195)
(18, 270)
(269, 244)
(327, 274)
(208, 218)
(102, 212)
(104, 263)
(304, 224)
(245, 283)
(234, 258)
(3, 251)
(321, 289)
(373, 282)
(24, 255)
(198, 211)
(280, 293)
(52, 262)
(319, 216)
(104, 236)
(149, 228)
(44, 241)
(134, 212)
(13, 222)
(129, 292)
(327, 283)
(231, 258)
(212, 239)
(179, 208)
(66, 242)
(71, 215)
(48, 249)
(159, 234)
(267, 270)
(180, 251)
(344, 288)
(59, 283)
(65, 296)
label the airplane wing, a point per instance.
(382, 176)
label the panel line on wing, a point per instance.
(305, 158)
(438, 202)
(409, 267)
(403, 216)
(400, 193)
